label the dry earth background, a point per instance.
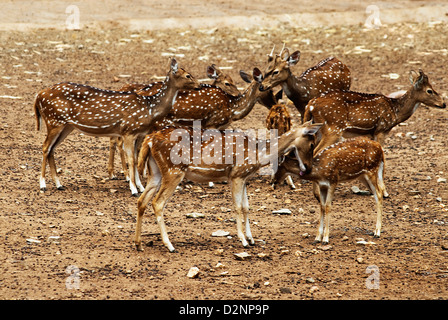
(88, 228)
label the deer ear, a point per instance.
(311, 129)
(278, 95)
(211, 72)
(258, 76)
(284, 54)
(174, 66)
(245, 76)
(294, 58)
(413, 76)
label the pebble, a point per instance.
(441, 180)
(360, 259)
(193, 272)
(220, 233)
(313, 289)
(195, 215)
(282, 211)
(242, 256)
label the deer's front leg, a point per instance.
(237, 194)
(249, 236)
(129, 149)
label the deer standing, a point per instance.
(160, 152)
(353, 158)
(221, 80)
(67, 106)
(329, 74)
(348, 113)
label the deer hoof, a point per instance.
(61, 188)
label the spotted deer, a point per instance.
(279, 119)
(67, 106)
(329, 74)
(354, 158)
(227, 160)
(220, 80)
(349, 113)
(212, 106)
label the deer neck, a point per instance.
(161, 103)
(295, 89)
(283, 143)
(245, 103)
(405, 106)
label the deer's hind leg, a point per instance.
(55, 136)
(377, 188)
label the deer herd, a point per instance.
(339, 135)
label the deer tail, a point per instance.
(37, 112)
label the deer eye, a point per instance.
(275, 73)
(188, 76)
(227, 84)
(429, 91)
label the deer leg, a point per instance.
(167, 188)
(137, 175)
(124, 165)
(372, 180)
(320, 192)
(54, 137)
(328, 200)
(249, 236)
(110, 164)
(237, 194)
(143, 200)
(129, 149)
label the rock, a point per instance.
(262, 255)
(219, 252)
(325, 247)
(282, 211)
(242, 256)
(220, 233)
(441, 180)
(356, 190)
(310, 280)
(444, 246)
(360, 259)
(193, 272)
(30, 240)
(313, 289)
(105, 232)
(285, 290)
(195, 215)
(363, 242)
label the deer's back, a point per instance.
(348, 159)
(329, 74)
(348, 109)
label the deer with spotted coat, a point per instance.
(354, 158)
(227, 160)
(329, 74)
(67, 106)
(349, 113)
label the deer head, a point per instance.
(222, 80)
(278, 69)
(182, 79)
(423, 91)
(303, 143)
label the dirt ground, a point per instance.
(78, 243)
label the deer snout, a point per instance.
(443, 105)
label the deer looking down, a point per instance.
(67, 106)
(329, 74)
(350, 159)
(213, 165)
(348, 113)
